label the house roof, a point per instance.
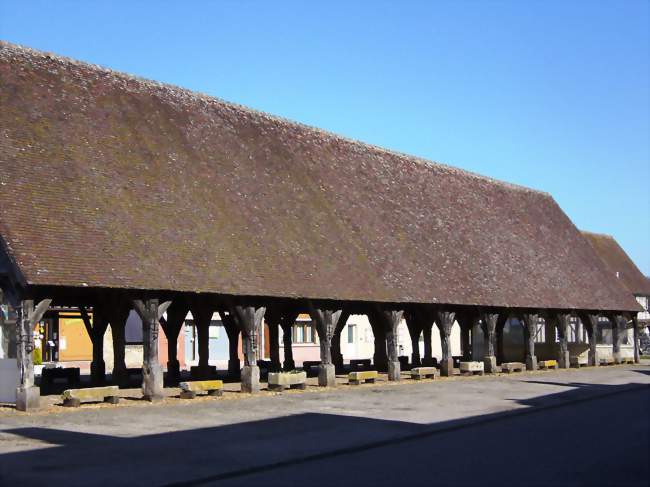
(617, 261)
(108, 180)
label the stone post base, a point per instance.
(563, 361)
(531, 362)
(490, 364)
(593, 360)
(326, 375)
(250, 379)
(28, 398)
(617, 357)
(447, 367)
(152, 382)
(394, 371)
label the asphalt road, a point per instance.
(585, 427)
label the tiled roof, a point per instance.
(113, 181)
(618, 261)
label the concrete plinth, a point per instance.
(326, 375)
(447, 367)
(490, 364)
(618, 359)
(28, 398)
(152, 382)
(394, 371)
(531, 362)
(250, 379)
(563, 360)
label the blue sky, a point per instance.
(551, 95)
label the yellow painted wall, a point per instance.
(74, 342)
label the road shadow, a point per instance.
(547, 431)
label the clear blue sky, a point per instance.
(552, 95)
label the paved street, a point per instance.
(575, 427)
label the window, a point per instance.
(351, 333)
(303, 332)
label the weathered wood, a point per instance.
(249, 320)
(415, 329)
(590, 321)
(489, 326)
(152, 373)
(388, 320)
(445, 321)
(530, 321)
(562, 321)
(176, 314)
(326, 321)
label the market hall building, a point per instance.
(119, 194)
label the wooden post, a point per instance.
(286, 323)
(150, 313)
(530, 330)
(615, 321)
(272, 317)
(172, 326)
(590, 322)
(562, 322)
(27, 394)
(414, 326)
(501, 324)
(232, 330)
(249, 319)
(326, 321)
(337, 356)
(427, 328)
(388, 321)
(489, 326)
(96, 330)
(445, 321)
(636, 329)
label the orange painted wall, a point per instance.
(74, 342)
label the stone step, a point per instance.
(190, 389)
(471, 368)
(355, 378)
(547, 364)
(509, 367)
(420, 372)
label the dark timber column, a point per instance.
(466, 320)
(249, 319)
(379, 358)
(530, 330)
(118, 314)
(176, 314)
(415, 330)
(202, 311)
(232, 330)
(287, 322)
(489, 326)
(562, 322)
(616, 321)
(337, 356)
(99, 325)
(501, 324)
(427, 327)
(272, 317)
(636, 330)
(445, 320)
(590, 321)
(389, 320)
(326, 321)
(152, 374)
(27, 394)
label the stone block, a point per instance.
(447, 367)
(250, 379)
(470, 368)
(327, 375)
(28, 398)
(152, 382)
(190, 389)
(74, 397)
(531, 362)
(280, 380)
(547, 364)
(509, 367)
(355, 378)
(420, 372)
(490, 364)
(394, 371)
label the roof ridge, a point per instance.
(175, 90)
